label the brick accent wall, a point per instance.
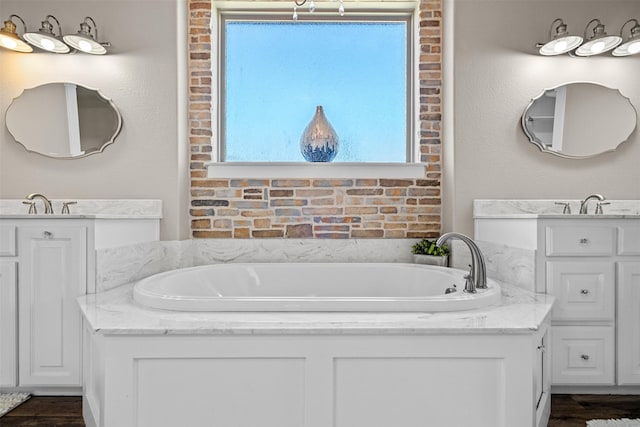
(314, 208)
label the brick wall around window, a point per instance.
(314, 208)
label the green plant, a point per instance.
(429, 247)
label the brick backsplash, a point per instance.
(314, 208)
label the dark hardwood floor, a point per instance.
(574, 410)
(41, 411)
(566, 410)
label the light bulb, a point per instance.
(84, 46)
(560, 46)
(597, 47)
(47, 44)
(9, 43)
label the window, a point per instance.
(275, 71)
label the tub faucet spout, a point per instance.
(47, 203)
(478, 274)
(585, 202)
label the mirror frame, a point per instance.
(544, 148)
(104, 144)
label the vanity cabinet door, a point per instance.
(8, 324)
(629, 323)
(52, 274)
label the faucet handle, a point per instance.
(567, 207)
(65, 207)
(599, 207)
(32, 206)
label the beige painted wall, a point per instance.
(497, 72)
(140, 74)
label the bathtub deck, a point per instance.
(114, 312)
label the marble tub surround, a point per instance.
(206, 251)
(87, 208)
(120, 265)
(115, 312)
(124, 264)
(548, 208)
(504, 263)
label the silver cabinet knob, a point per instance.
(584, 357)
(47, 235)
(584, 291)
(584, 241)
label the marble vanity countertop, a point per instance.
(85, 209)
(115, 312)
(617, 209)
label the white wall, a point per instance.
(141, 74)
(496, 73)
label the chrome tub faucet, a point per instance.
(477, 278)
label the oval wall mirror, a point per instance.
(579, 120)
(63, 120)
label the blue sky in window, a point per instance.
(278, 72)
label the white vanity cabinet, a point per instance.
(591, 264)
(46, 263)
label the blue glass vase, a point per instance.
(319, 141)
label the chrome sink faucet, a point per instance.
(585, 202)
(477, 278)
(47, 203)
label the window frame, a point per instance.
(408, 12)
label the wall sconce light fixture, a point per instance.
(632, 45)
(560, 42)
(10, 39)
(596, 44)
(599, 42)
(84, 41)
(46, 39)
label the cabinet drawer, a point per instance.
(582, 355)
(562, 240)
(583, 290)
(7, 240)
(629, 240)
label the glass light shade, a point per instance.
(599, 43)
(560, 45)
(632, 45)
(9, 38)
(84, 44)
(47, 42)
(45, 38)
(629, 48)
(598, 46)
(84, 40)
(561, 42)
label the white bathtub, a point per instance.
(312, 287)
